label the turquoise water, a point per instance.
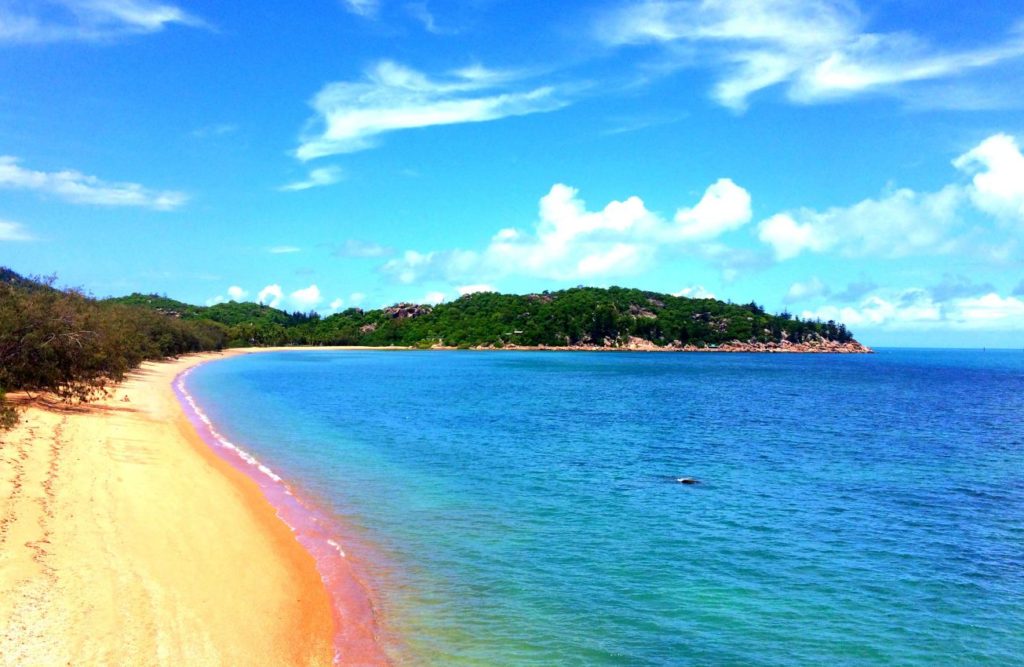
(521, 507)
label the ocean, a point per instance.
(523, 508)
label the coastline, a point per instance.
(126, 539)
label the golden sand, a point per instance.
(125, 541)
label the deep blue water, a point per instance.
(850, 510)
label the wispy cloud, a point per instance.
(217, 130)
(819, 49)
(905, 222)
(283, 249)
(804, 290)
(357, 248)
(13, 231)
(570, 242)
(79, 188)
(421, 12)
(318, 178)
(351, 116)
(89, 20)
(364, 8)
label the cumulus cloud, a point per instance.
(271, 295)
(89, 20)
(236, 293)
(997, 186)
(818, 49)
(918, 309)
(306, 298)
(570, 242)
(337, 303)
(317, 178)
(724, 207)
(906, 222)
(463, 290)
(79, 188)
(13, 231)
(356, 298)
(352, 115)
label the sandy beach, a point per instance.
(125, 540)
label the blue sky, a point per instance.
(856, 161)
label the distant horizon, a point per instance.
(849, 160)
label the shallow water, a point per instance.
(522, 507)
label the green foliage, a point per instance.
(68, 344)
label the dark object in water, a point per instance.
(687, 480)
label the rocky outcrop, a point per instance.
(636, 344)
(401, 311)
(815, 346)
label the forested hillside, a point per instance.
(579, 316)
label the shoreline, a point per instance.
(356, 631)
(126, 539)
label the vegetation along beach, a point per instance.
(420, 332)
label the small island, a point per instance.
(581, 318)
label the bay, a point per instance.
(522, 507)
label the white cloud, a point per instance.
(998, 183)
(819, 49)
(317, 178)
(337, 303)
(213, 301)
(284, 249)
(306, 298)
(694, 292)
(79, 188)
(271, 295)
(918, 309)
(570, 242)
(236, 293)
(724, 207)
(352, 115)
(463, 290)
(809, 289)
(434, 298)
(364, 8)
(420, 12)
(356, 298)
(90, 20)
(13, 231)
(788, 237)
(905, 222)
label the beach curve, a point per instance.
(126, 539)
